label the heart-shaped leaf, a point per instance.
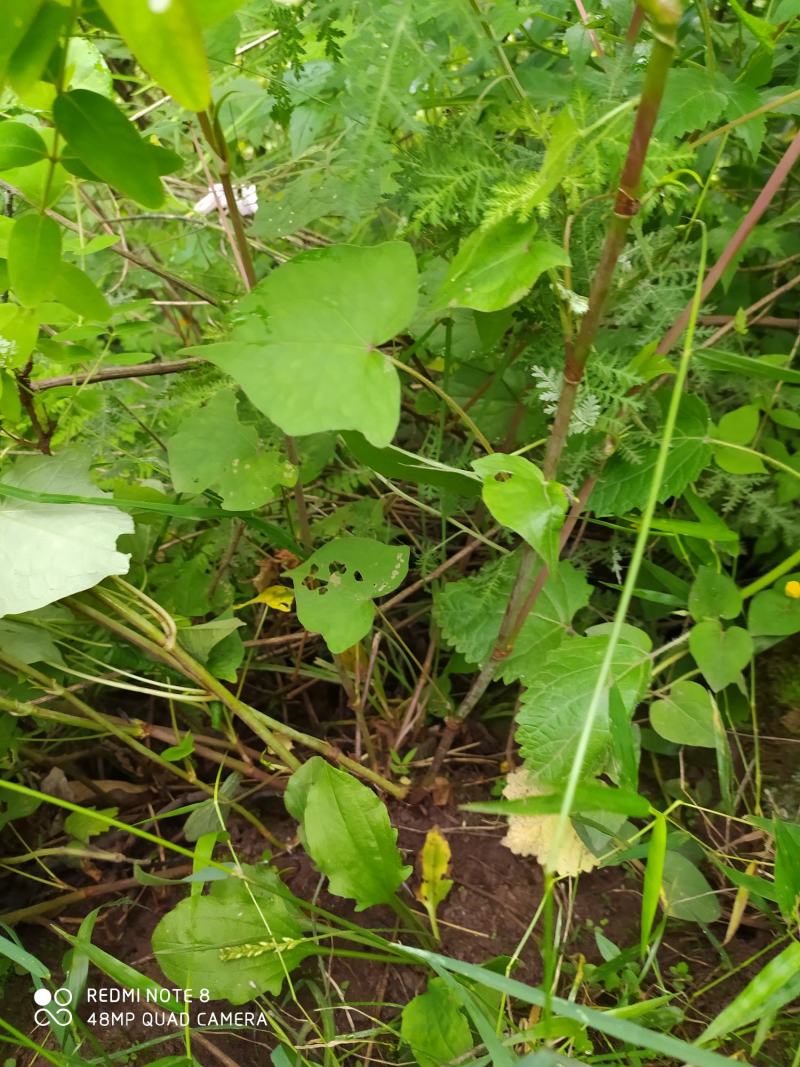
(720, 654)
(686, 716)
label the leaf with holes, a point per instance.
(335, 587)
(518, 496)
(307, 351)
(212, 449)
(345, 829)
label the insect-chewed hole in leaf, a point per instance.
(336, 567)
(358, 576)
(503, 476)
(309, 582)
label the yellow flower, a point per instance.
(792, 589)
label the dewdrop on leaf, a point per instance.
(532, 835)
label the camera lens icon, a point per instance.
(59, 1013)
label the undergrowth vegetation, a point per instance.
(400, 436)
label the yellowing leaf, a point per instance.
(434, 866)
(277, 597)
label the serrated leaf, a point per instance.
(20, 145)
(470, 610)
(625, 485)
(167, 40)
(49, 551)
(308, 354)
(34, 258)
(83, 825)
(714, 595)
(434, 1026)
(346, 831)
(685, 716)
(517, 495)
(720, 654)
(212, 449)
(693, 99)
(497, 265)
(189, 940)
(107, 143)
(553, 707)
(336, 586)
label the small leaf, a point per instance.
(308, 353)
(20, 145)
(182, 750)
(517, 495)
(434, 887)
(739, 427)
(346, 831)
(686, 716)
(277, 597)
(19, 329)
(435, 1027)
(34, 258)
(190, 941)
(336, 586)
(107, 143)
(167, 40)
(85, 824)
(775, 612)
(720, 654)
(714, 596)
(497, 265)
(49, 551)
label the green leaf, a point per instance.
(773, 613)
(29, 644)
(346, 831)
(517, 495)
(653, 879)
(747, 366)
(469, 612)
(184, 749)
(311, 362)
(497, 265)
(167, 40)
(687, 893)
(20, 145)
(84, 825)
(553, 707)
(686, 716)
(787, 866)
(19, 329)
(107, 143)
(434, 1026)
(400, 465)
(17, 17)
(335, 587)
(589, 796)
(625, 485)
(720, 654)
(693, 99)
(75, 289)
(762, 30)
(201, 639)
(22, 958)
(775, 984)
(49, 551)
(34, 50)
(212, 449)
(34, 258)
(739, 427)
(190, 941)
(714, 596)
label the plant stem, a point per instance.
(665, 15)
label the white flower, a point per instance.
(246, 200)
(532, 835)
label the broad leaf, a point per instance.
(212, 449)
(75, 289)
(714, 596)
(739, 427)
(309, 358)
(686, 716)
(553, 707)
(167, 40)
(435, 1027)
(335, 587)
(469, 613)
(19, 329)
(197, 944)
(686, 892)
(720, 654)
(49, 551)
(108, 144)
(773, 612)
(20, 145)
(29, 644)
(346, 831)
(693, 99)
(517, 495)
(497, 265)
(625, 485)
(34, 258)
